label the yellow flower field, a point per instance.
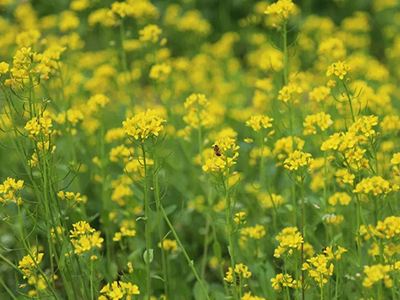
(197, 149)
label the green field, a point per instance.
(199, 149)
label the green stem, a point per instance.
(229, 229)
(205, 248)
(91, 279)
(190, 262)
(358, 232)
(123, 53)
(105, 198)
(350, 103)
(146, 216)
(337, 279)
(285, 54)
(158, 204)
(7, 289)
(302, 234)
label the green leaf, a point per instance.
(170, 209)
(217, 251)
(157, 277)
(198, 292)
(148, 258)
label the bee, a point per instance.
(217, 150)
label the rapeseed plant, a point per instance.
(192, 150)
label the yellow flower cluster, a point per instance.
(70, 196)
(28, 264)
(143, 125)
(160, 72)
(390, 122)
(198, 113)
(375, 185)
(4, 67)
(270, 200)
(258, 122)
(280, 9)
(395, 159)
(377, 273)
(241, 272)
(322, 120)
(283, 280)
(225, 154)
(248, 296)
(118, 290)
(9, 190)
(83, 237)
(150, 33)
(26, 65)
(338, 69)
(123, 232)
(388, 229)
(339, 197)
(298, 159)
(289, 239)
(364, 126)
(319, 268)
(96, 102)
(255, 232)
(349, 143)
(290, 93)
(169, 245)
(122, 152)
(333, 219)
(343, 176)
(240, 218)
(39, 125)
(319, 93)
(333, 48)
(286, 145)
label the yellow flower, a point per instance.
(241, 271)
(9, 190)
(321, 119)
(69, 21)
(29, 263)
(144, 124)
(341, 197)
(289, 93)
(160, 72)
(256, 232)
(84, 238)
(118, 289)
(396, 159)
(248, 296)
(376, 184)
(150, 33)
(319, 94)
(225, 154)
(4, 67)
(169, 245)
(240, 218)
(333, 219)
(289, 238)
(338, 69)
(123, 232)
(259, 121)
(283, 280)
(376, 273)
(280, 9)
(298, 159)
(319, 268)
